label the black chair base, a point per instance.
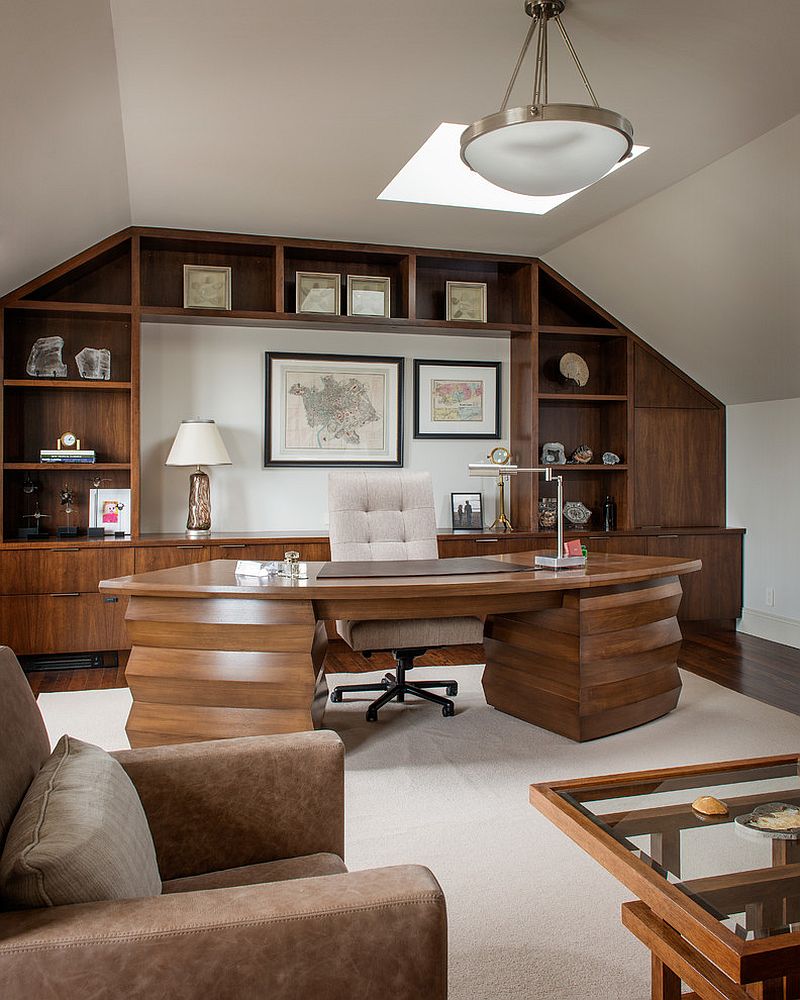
(395, 687)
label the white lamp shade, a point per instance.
(198, 442)
(546, 157)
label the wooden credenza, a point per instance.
(49, 601)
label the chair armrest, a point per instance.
(228, 803)
(380, 933)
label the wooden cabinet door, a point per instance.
(716, 591)
(62, 623)
(61, 568)
(151, 557)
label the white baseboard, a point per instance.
(772, 627)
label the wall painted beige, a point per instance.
(764, 495)
(707, 270)
(218, 372)
(63, 176)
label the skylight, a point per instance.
(436, 175)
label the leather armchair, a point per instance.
(256, 902)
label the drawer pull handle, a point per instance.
(110, 600)
(486, 541)
(67, 594)
(70, 548)
(667, 536)
(188, 546)
(239, 545)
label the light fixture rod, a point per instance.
(574, 54)
(518, 67)
(540, 72)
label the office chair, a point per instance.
(390, 515)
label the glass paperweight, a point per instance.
(45, 360)
(94, 363)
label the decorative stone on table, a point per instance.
(548, 512)
(573, 368)
(94, 363)
(45, 359)
(707, 805)
(553, 453)
(577, 513)
(582, 455)
(611, 458)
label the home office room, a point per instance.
(399, 459)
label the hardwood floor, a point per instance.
(763, 670)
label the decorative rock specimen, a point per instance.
(611, 458)
(576, 513)
(707, 805)
(553, 453)
(582, 455)
(573, 368)
(45, 360)
(94, 363)
(548, 512)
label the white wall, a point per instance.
(764, 497)
(218, 372)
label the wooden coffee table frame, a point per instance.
(687, 943)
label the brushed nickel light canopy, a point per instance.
(542, 148)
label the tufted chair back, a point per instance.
(381, 515)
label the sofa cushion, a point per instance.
(309, 866)
(80, 834)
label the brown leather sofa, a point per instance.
(256, 901)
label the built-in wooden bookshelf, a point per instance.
(667, 430)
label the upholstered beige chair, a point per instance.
(391, 516)
(256, 899)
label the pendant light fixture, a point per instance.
(543, 148)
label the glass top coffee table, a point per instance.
(719, 903)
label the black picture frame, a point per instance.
(271, 358)
(494, 367)
(470, 516)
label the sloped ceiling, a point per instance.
(289, 117)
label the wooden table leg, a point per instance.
(665, 984)
(211, 668)
(665, 850)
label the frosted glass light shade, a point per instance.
(549, 150)
(198, 442)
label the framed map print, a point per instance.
(456, 399)
(333, 410)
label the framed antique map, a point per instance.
(333, 410)
(456, 399)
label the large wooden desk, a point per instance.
(581, 652)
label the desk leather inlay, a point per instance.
(416, 567)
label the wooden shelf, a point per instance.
(569, 397)
(582, 331)
(71, 466)
(594, 467)
(63, 383)
(45, 305)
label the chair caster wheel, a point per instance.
(451, 691)
(336, 695)
(372, 715)
(448, 711)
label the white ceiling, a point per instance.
(289, 117)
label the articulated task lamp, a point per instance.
(501, 468)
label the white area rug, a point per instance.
(531, 916)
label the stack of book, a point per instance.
(82, 457)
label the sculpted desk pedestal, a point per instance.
(584, 653)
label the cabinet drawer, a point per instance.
(270, 551)
(627, 545)
(150, 558)
(66, 623)
(61, 569)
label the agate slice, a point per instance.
(45, 360)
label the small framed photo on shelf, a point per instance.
(368, 296)
(206, 287)
(457, 399)
(318, 293)
(467, 511)
(466, 301)
(110, 510)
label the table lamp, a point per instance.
(198, 442)
(559, 560)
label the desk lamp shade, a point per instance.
(198, 442)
